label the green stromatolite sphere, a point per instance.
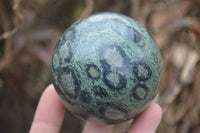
(106, 67)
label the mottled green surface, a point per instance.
(106, 67)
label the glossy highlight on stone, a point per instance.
(106, 67)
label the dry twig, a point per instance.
(8, 41)
(8, 34)
(88, 9)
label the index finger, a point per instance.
(49, 114)
(148, 121)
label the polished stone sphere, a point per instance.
(106, 67)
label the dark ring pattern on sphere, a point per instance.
(106, 67)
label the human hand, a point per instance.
(50, 114)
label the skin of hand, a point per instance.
(50, 114)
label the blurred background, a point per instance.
(29, 30)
